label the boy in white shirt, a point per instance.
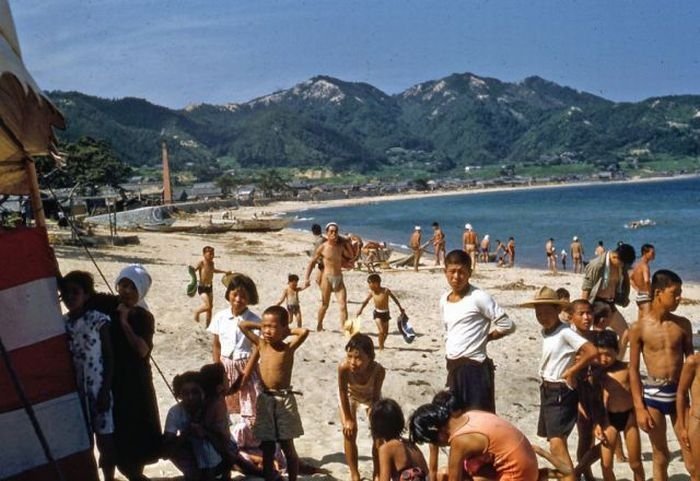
(558, 368)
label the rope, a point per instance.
(104, 278)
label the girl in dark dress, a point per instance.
(137, 431)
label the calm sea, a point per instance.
(593, 213)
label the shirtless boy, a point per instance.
(510, 251)
(576, 250)
(469, 241)
(438, 243)
(277, 417)
(381, 296)
(689, 417)
(291, 295)
(663, 340)
(415, 245)
(206, 270)
(641, 279)
(334, 252)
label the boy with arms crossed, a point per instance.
(277, 418)
(663, 340)
(381, 296)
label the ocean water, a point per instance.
(592, 212)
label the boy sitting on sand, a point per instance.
(381, 296)
(360, 380)
(663, 340)
(689, 414)
(291, 294)
(277, 417)
(205, 287)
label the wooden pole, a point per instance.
(34, 193)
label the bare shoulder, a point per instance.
(682, 322)
(343, 368)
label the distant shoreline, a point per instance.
(300, 206)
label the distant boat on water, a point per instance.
(636, 224)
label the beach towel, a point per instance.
(405, 328)
(192, 286)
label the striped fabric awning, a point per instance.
(32, 330)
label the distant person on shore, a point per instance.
(606, 280)
(510, 251)
(438, 241)
(356, 243)
(360, 380)
(600, 249)
(380, 295)
(641, 279)
(205, 287)
(564, 354)
(415, 244)
(500, 252)
(689, 414)
(291, 295)
(664, 341)
(550, 252)
(485, 247)
(468, 313)
(576, 251)
(334, 252)
(319, 239)
(563, 259)
(470, 241)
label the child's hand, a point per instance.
(685, 440)
(349, 428)
(600, 435)
(644, 420)
(103, 400)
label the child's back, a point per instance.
(404, 461)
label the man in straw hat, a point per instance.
(564, 353)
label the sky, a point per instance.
(180, 52)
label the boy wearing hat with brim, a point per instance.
(564, 353)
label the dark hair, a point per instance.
(572, 305)
(374, 278)
(626, 253)
(601, 310)
(207, 248)
(363, 343)
(458, 256)
(386, 419)
(662, 279)
(600, 243)
(280, 313)
(435, 224)
(241, 281)
(211, 376)
(426, 421)
(607, 340)
(316, 229)
(181, 379)
(646, 248)
(292, 278)
(563, 293)
(82, 279)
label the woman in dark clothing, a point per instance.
(137, 432)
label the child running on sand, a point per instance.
(619, 407)
(360, 380)
(381, 296)
(689, 414)
(277, 417)
(90, 344)
(291, 294)
(205, 287)
(663, 340)
(399, 458)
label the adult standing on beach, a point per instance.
(438, 243)
(576, 251)
(551, 253)
(484, 248)
(467, 313)
(415, 245)
(334, 252)
(606, 280)
(510, 251)
(599, 249)
(469, 241)
(641, 279)
(319, 239)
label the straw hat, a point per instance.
(545, 296)
(226, 279)
(352, 326)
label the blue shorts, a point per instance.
(662, 398)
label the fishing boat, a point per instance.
(258, 224)
(636, 224)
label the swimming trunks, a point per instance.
(202, 289)
(661, 395)
(558, 410)
(382, 315)
(293, 309)
(619, 420)
(336, 282)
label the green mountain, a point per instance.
(445, 124)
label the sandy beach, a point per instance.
(414, 372)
